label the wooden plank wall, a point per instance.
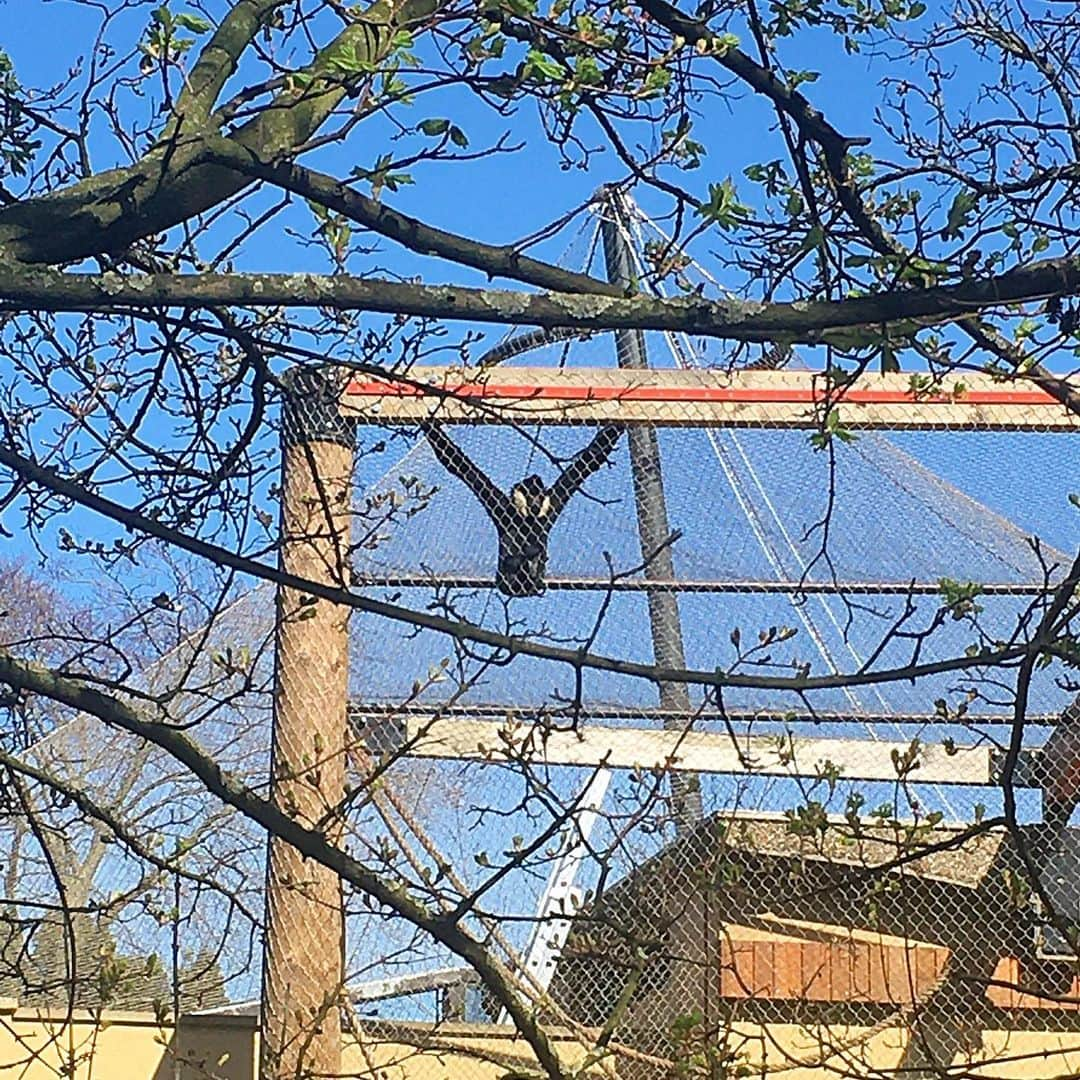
(860, 970)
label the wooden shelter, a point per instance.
(759, 920)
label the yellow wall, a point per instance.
(133, 1046)
(45, 1045)
(792, 1052)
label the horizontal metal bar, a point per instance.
(420, 983)
(695, 751)
(691, 585)
(373, 990)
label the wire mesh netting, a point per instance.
(682, 868)
(844, 847)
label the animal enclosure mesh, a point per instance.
(680, 869)
(817, 889)
(678, 876)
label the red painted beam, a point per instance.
(707, 394)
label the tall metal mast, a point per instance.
(652, 517)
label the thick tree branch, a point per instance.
(494, 260)
(217, 62)
(110, 211)
(987, 337)
(856, 320)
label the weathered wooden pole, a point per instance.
(652, 518)
(303, 957)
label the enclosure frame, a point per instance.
(705, 398)
(641, 399)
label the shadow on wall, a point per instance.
(209, 1048)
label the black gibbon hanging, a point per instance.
(525, 517)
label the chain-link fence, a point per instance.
(698, 721)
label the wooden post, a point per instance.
(653, 528)
(303, 958)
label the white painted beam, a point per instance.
(695, 751)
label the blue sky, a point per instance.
(506, 196)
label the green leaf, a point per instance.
(587, 71)
(395, 181)
(814, 238)
(195, 23)
(348, 59)
(458, 137)
(1025, 329)
(656, 82)
(537, 64)
(380, 176)
(433, 127)
(723, 206)
(959, 212)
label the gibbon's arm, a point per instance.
(585, 463)
(456, 462)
